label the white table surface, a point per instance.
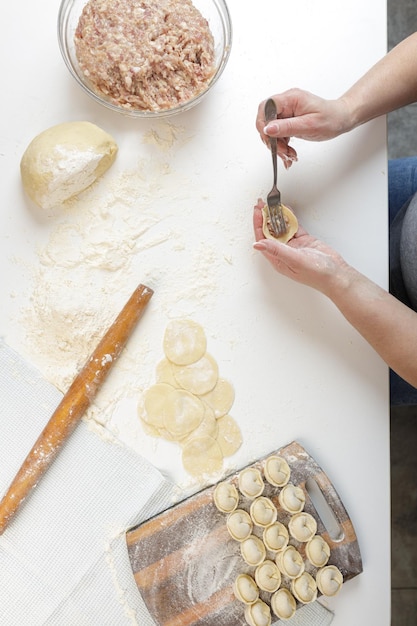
(299, 370)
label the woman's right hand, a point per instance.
(303, 115)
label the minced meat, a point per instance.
(145, 54)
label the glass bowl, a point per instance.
(214, 11)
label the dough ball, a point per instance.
(184, 341)
(290, 220)
(64, 160)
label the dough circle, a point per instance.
(182, 412)
(154, 403)
(64, 160)
(184, 341)
(202, 455)
(290, 220)
(198, 377)
(229, 436)
(221, 397)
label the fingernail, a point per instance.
(259, 245)
(271, 128)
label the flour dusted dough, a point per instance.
(221, 397)
(329, 580)
(198, 377)
(251, 483)
(239, 525)
(164, 373)
(276, 537)
(184, 341)
(226, 497)
(292, 498)
(277, 471)
(253, 550)
(302, 526)
(183, 412)
(304, 588)
(202, 455)
(64, 160)
(290, 562)
(268, 576)
(318, 551)
(263, 511)
(229, 436)
(154, 403)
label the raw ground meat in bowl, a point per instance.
(145, 58)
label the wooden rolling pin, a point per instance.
(73, 405)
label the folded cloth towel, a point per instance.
(63, 559)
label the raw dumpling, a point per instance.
(275, 537)
(283, 604)
(302, 526)
(277, 471)
(290, 220)
(292, 498)
(226, 497)
(245, 589)
(268, 576)
(239, 525)
(318, 551)
(251, 483)
(304, 588)
(290, 562)
(329, 580)
(64, 160)
(253, 550)
(258, 614)
(263, 511)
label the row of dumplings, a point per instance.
(288, 561)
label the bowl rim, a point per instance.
(62, 21)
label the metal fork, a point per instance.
(276, 217)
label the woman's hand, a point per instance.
(304, 258)
(306, 116)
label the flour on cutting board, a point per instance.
(122, 231)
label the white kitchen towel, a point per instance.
(63, 559)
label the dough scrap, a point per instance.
(229, 436)
(184, 341)
(202, 455)
(62, 161)
(198, 377)
(290, 220)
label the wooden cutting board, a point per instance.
(185, 562)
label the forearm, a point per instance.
(389, 326)
(388, 85)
